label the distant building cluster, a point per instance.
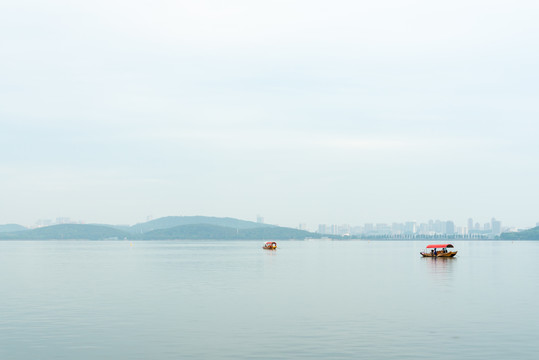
(432, 228)
(58, 221)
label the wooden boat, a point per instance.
(270, 245)
(439, 250)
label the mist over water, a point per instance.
(308, 299)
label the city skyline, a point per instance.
(432, 227)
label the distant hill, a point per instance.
(191, 232)
(11, 228)
(67, 231)
(174, 221)
(125, 228)
(239, 230)
(530, 234)
(214, 232)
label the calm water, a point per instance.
(309, 299)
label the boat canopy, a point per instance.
(270, 242)
(439, 246)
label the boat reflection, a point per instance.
(442, 268)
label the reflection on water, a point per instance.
(440, 268)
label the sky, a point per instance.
(298, 111)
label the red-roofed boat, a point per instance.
(270, 245)
(439, 250)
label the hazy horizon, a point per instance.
(300, 111)
(305, 226)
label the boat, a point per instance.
(270, 245)
(439, 250)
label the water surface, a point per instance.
(233, 300)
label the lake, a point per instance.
(232, 300)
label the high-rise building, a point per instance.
(259, 219)
(397, 228)
(424, 229)
(443, 227)
(410, 227)
(344, 229)
(449, 227)
(462, 230)
(439, 227)
(496, 226)
(383, 229)
(470, 224)
(322, 229)
(369, 227)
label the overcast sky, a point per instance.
(298, 110)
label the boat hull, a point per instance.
(440, 254)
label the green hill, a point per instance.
(164, 229)
(67, 231)
(11, 228)
(530, 234)
(192, 232)
(214, 232)
(174, 221)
